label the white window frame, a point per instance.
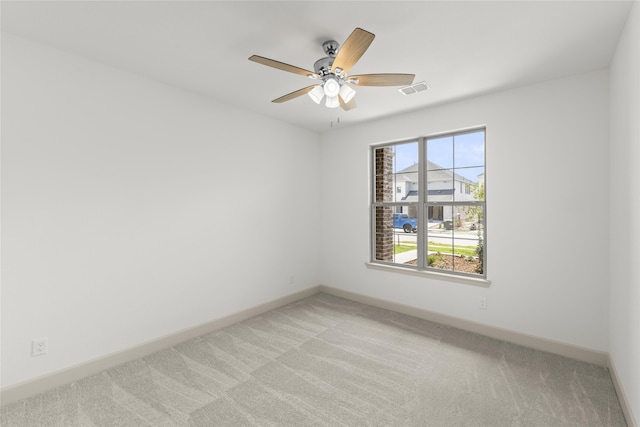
(422, 206)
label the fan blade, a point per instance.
(295, 94)
(352, 49)
(383, 79)
(281, 66)
(346, 106)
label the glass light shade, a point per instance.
(346, 93)
(332, 102)
(317, 93)
(331, 87)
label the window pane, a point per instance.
(396, 228)
(468, 239)
(439, 236)
(405, 218)
(457, 243)
(469, 184)
(407, 183)
(405, 241)
(384, 183)
(471, 220)
(384, 190)
(405, 157)
(396, 173)
(440, 153)
(440, 185)
(384, 233)
(469, 149)
(439, 224)
(405, 167)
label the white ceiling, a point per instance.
(461, 49)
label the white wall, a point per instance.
(131, 210)
(624, 332)
(547, 213)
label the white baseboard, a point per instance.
(596, 357)
(622, 396)
(38, 385)
(66, 376)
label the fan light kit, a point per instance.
(335, 88)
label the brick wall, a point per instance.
(384, 193)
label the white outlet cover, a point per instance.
(39, 347)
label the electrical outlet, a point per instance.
(483, 303)
(39, 347)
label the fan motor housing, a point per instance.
(323, 66)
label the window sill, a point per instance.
(484, 283)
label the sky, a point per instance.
(466, 150)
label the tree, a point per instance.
(477, 190)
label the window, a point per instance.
(438, 224)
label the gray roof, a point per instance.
(413, 194)
(437, 172)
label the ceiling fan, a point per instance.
(332, 70)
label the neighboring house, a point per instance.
(442, 185)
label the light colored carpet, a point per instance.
(327, 361)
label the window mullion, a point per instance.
(422, 191)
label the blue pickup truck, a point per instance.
(403, 221)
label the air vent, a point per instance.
(414, 88)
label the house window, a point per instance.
(444, 230)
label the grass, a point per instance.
(457, 250)
(437, 247)
(398, 249)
